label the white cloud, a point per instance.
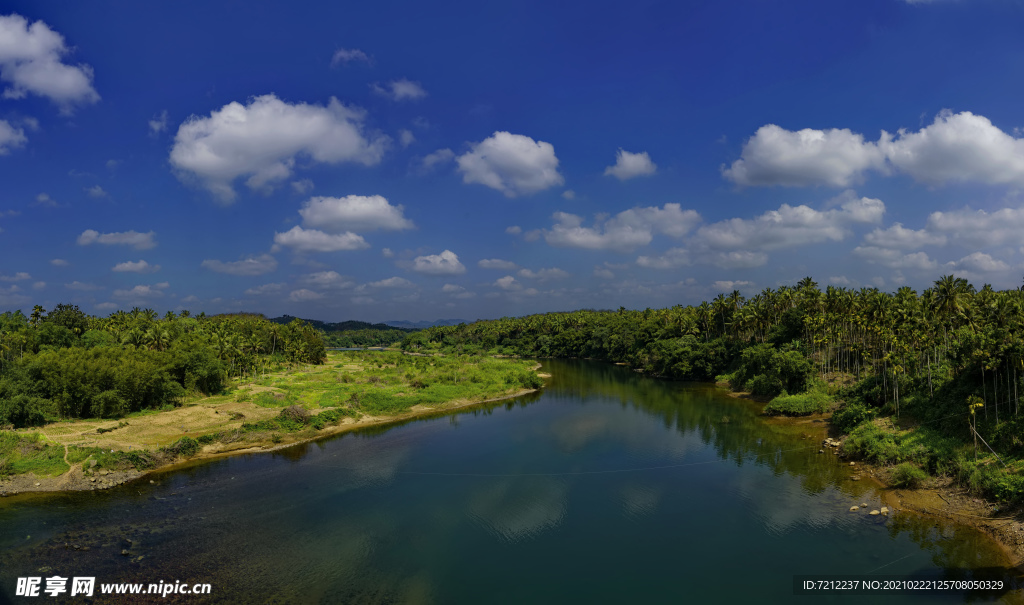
(387, 253)
(496, 263)
(44, 199)
(10, 137)
(263, 138)
(304, 295)
(625, 231)
(737, 259)
(361, 300)
(514, 230)
(140, 241)
(433, 160)
(511, 163)
(727, 285)
(59, 262)
(39, 285)
(953, 148)
(406, 137)
(980, 262)
(543, 274)
(19, 276)
(840, 280)
(604, 272)
(313, 240)
(82, 287)
(979, 228)
(140, 266)
(142, 292)
(776, 156)
(508, 283)
(629, 165)
(159, 123)
(96, 191)
(673, 257)
(958, 147)
(263, 290)
(30, 62)
(790, 226)
(897, 236)
(353, 213)
(347, 55)
(302, 186)
(569, 194)
(326, 280)
(400, 90)
(452, 289)
(895, 259)
(392, 282)
(105, 306)
(445, 263)
(252, 265)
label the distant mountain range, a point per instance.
(407, 326)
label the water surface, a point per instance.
(605, 487)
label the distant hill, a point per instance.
(344, 325)
(419, 325)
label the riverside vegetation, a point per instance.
(898, 370)
(231, 381)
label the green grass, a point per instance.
(30, 453)
(812, 402)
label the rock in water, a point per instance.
(874, 512)
(853, 508)
(885, 510)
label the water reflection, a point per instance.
(600, 488)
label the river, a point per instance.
(605, 487)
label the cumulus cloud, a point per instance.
(980, 262)
(142, 292)
(44, 199)
(400, 90)
(304, 295)
(957, 147)
(406, 137)
(139, 266)
(511, 163)
(19, 276)
(514, 230)
(314, 240)
(629, 165)
(343, 56)
(445, 263)
(302, 186)
(671, 259)
(96, 191)
(508, 283)
(353, 213)
(451, 288)
(252, 265)
(263, 138)
(435, 159)
(895, 259)
(623, 232)
(897, 236)
(392, 282)
(31, 62)
(496, 263)
(790, 226)
(82, 286)
(140, 241)
(59, 262)
(543, 274)
(10, 137)
(727, 285)
(264, 289)
(569, 194)
(978, 228)
(776, 156)
(159, 123)
(326, 280)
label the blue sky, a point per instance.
(473, 160)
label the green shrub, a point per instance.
(814, 402)
(908, 474)
(852, 415)
(185, 447)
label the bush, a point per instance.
(908, 475)
(804, 404)
(23, 410)
(852, 415)
(185, 447)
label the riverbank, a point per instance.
(351, 392)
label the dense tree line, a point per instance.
(893, 352)
(66, 364)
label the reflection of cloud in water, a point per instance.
(639, 500)
(573, 432)
(516, 509)
(782, 503)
